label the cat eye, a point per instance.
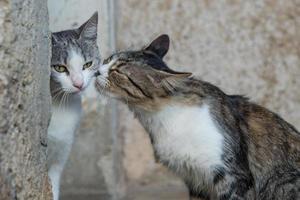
(60, 68)
(87, 65)
(107, 60)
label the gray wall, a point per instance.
(24, 99)
(244, 47)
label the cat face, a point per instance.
(75, 56)
(139, 76)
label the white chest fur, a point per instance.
(63, 124)
(185, 137)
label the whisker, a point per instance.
(127, 101)
(102, 90)
(103, 81)
(56, 96)
(56, 93)
(57, 89)
(67, 98)
(61, 101)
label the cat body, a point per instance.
(73, 64)
(222, 146)
(188, 138)
(61, 130)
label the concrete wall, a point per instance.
(24, 99)
(244, 47)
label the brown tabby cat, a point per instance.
(223, 146)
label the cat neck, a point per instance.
(187, 92)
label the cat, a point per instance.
(74, 62)
(223, 146)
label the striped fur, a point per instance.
(259, 154)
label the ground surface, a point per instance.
(163, 186)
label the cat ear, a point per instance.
(168, 80)
(160, 45)
(88, 30)
(171, 73)
(168, 76)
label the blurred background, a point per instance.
(243, 47)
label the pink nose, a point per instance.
(78, 84)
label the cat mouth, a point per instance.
(78, 91)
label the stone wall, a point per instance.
(24, 99)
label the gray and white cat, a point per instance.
(75, 59)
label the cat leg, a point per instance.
(54, 173)
(229, 187)
(198, 195)
(283, 182)
(198, 198)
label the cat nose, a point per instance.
(78, 84)
(97, 73)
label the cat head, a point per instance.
(140, 76)
(75, 56)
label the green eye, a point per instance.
(87, 65)
(60, 68)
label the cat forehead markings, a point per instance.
(76, 59)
